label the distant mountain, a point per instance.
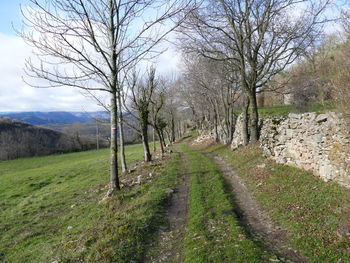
(42, 118)
(18, 139)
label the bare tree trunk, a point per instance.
(254, 125)
(161, 132)
(121, 135)
(161, 141)
(147, 153)
(173, 136)
(114, 108)
(154, 139)
(232, 125)
(216, 127)
(114, 147)
(168, 135)
(245, 123)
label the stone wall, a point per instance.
(317, 143)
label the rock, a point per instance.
(321, 118)
(294, 116)
(139, 179)
(261, 166)
(169, 191)
(289, 133)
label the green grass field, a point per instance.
(49, 209)
(314, 212)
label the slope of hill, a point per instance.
(18, 139)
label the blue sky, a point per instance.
(10, 13)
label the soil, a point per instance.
(257, 222)
(170, 245)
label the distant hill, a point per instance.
(18, 139)
(42, 118)
(91, 128)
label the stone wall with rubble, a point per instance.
(317, 143)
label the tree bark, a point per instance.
(147, 153)
(114, 146)
(121, 135)
(254, 125)
(245, 132)
(216, 127)
(232, 125)
(161, 132)
(154, 139)
(114, 107)
(172, 139)
(168, 135)
(161, 140)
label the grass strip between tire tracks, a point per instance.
(214, 234)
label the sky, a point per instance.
(16, 95)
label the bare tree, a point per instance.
(157, 121)
(89, 44)
(141, 92)
(211, 85)
(260, 38)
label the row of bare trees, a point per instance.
(149, 100)
(211, 90)
(93, 45)
(232, 48)
(251, 41)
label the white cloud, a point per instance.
(168, 62)
(16, 95)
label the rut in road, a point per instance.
(170, 245)
(256, 221)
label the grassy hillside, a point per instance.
(50, 211)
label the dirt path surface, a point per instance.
(169, 246)
(257, 222)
